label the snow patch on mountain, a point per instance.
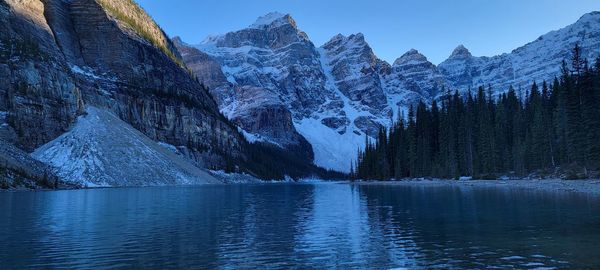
(333, 149)
(101, 150)
(254, 138)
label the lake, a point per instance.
(301, 226)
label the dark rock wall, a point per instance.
(56, 56)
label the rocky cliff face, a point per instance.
(340, 92)
(60, 56)
(356, 71)
(278, 84)
(142, 84)
(39, 98)
(336, 94)
(18, 170)
(259, 97)
(272, 54)
(206, 69)
(414, 79)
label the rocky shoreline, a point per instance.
(590, 186)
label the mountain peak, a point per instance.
(337, 38)
(355, 37)
(411, 56)
(178, 40)
(273, 19)
(354, 40)
(358, 36)
(460, 52)
(593, 16)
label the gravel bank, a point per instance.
(579, 186)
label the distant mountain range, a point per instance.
(277, 86)
(94, 93)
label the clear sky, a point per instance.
(392, 27)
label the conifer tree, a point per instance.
(555, 127)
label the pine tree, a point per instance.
(575, 128)
(559, 96)
(412, 144)
(577, 61)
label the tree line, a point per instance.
(553, 130)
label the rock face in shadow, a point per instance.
(61, 56)
(145, 88)
(412, 72)
(206, 69)
(39, 96)
(18, 170)
(269, 121)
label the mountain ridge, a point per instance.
(360, 92)
(235, 101)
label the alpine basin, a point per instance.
(299, 226)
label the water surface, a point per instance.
(299, 226)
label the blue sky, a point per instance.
(391, 27)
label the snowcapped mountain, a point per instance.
(61, 59)
(537, 61)
(340, 92)
(273, 64)
(271, 54)
(251, 108)
(336, 94)
(413, 79)
(355, 71)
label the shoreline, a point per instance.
(588, 186)
(591, 186)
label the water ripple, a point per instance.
(298, 226)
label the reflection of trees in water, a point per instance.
(466, 226)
